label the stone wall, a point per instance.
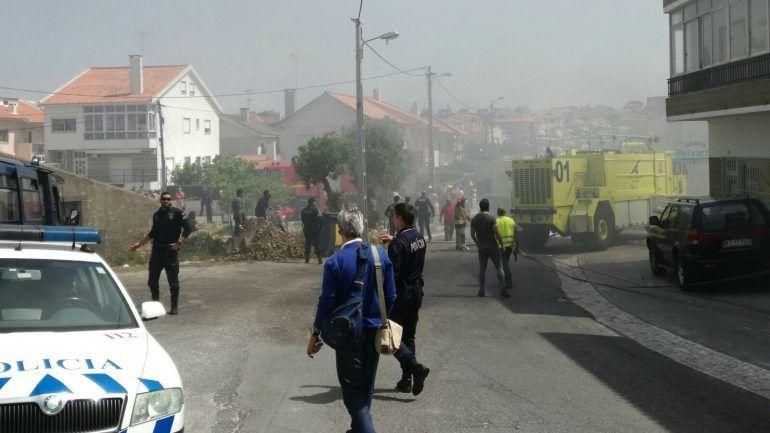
(121, 216)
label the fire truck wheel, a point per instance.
(604, 228)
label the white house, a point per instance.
(106, 123)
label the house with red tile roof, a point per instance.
(335, 112)
(21, 128)
(131, 125)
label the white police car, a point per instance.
(74, 353)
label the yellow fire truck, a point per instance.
(591, 195)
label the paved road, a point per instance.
(732, 318)
(532, 363)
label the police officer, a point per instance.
(407, 253)
(311, 228)
(389, 213)
(168, 233)
(425, 212)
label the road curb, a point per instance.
(696, 356)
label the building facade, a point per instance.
(21, 128)
(131, 126)
(720, 73)
(335, 112)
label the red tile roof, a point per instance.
(111, 85)
(24, 111)
(380, 110)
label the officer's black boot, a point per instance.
(155, 295)
(405, 384)
(174, 303)
(420, 372)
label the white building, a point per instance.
(720, 58)
(106, 123)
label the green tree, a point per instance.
(226, 174)
(189, 174)
(385, 156)
(322, 160)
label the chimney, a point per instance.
(13, 107)
(289, 100)
(376, 95)
(135, 74)
(245, 114)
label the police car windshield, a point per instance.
(50, 295)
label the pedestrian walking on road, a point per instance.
(407, 253)
(260, 211)
(461, 219)
(357, 368)
(425, 212)
(169, 231)
(507, 227)
(486, 235)
(311, 228)
(239, 215)
(448, 218)
(390, 214)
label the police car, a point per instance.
(74, 353)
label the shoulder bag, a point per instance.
(388, 337)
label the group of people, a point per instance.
(424, 212)
(401, 277)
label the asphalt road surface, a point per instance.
(531, 363)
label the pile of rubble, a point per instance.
(262, 240)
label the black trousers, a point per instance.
(406, 313)
(492, 253)
(311, 240)
(164, 259)
(424, 222)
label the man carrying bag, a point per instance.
(349, 316)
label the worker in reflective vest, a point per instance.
(507, 227)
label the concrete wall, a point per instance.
(740, 136)
(121, 216)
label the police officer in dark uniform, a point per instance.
(311, 228)
(407, 253)
(425, 212)
(169, 230)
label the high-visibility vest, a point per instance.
(507, 227)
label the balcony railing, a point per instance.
(737, 72)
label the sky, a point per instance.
(539, 53)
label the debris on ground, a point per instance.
(263, 240)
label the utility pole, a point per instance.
(162, 151)
(431, 151)
(360, 136)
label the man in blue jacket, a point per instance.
(356, 370)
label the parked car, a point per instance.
(706, 240)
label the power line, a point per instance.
(451, 94)
(394, 66)
(222, 95)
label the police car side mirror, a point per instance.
(654, 220)
(152, 310)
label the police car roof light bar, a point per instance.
(49, 234)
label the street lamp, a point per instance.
(489, 136)
(431, 152)
(361, 147)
